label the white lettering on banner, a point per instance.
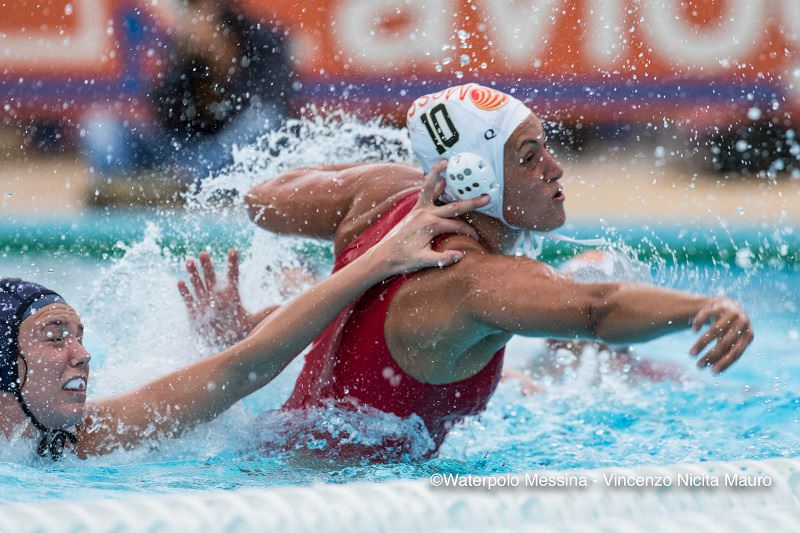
(357, 24)
(522, 28)
(735, 38)
(606, 32)
(791, 19)
(82, 47)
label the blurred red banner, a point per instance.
(604, 60)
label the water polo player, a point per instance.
(44, 367)
(431, 343)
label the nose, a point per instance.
(79, 356)
(552, 170)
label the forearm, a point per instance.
(635, 312)
(198, 393)
(527, 298)
(254, 319)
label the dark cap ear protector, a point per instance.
(18, 300)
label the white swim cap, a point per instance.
(469, 125)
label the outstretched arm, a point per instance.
(200, 392)
(619, 312)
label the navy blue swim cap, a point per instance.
(18, 300)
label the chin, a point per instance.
(549, 224)
(559, 221)
(548, 219)
(69, 415)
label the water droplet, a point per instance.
(660, 152)
(447, 60)
(740, 210)
(68, 9)
(744, 258)
(464, 60)
(459, 74)
(754, 113)
(537, 63)
(463, 35)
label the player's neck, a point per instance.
(495, 235)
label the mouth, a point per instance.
(559, 195)
(76, 385)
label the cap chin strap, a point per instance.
(531, 242)
(53, 440)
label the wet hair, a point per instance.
(18, 300)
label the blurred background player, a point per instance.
(225, 83)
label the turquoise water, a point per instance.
(591, 417)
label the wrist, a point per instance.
(377, 267)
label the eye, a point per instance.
(55, 336)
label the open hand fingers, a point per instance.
(460, 207)
(724, 343)
(439, 188)
(441, 259)
(733, 336)
(233, 269)
(448, 225)
(187, 297)
(735, 353)
(712, 332)
(428, 194)
(196, 280)
(208, 271)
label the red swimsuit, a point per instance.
(350, 359)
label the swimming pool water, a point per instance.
(591, 417)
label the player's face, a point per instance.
(533, 197)
(56, 365)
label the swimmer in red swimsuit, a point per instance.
(431, 343)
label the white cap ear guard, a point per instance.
(469, 176)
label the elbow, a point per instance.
(595, 311)
(598, 310)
